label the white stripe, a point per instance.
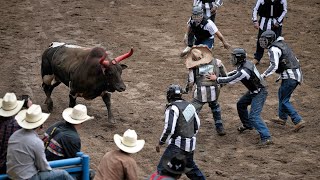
(213, 93)
(203, 94)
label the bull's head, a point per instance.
(113, 70)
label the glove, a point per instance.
(185, 51)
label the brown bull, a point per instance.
(87, 72)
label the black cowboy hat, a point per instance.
(176, 164)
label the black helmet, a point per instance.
(238, 56)
(267, 38)
(197, 10)
(174, 92)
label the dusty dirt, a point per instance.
(155, 30)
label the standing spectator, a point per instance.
(201, 30)
(174, 167)
(26, 158)
(9, 107)
(62, 140)
(284, 62)
(248, 74)
(181, 127)
(272, 13)
(118, 164)
(209, 7)
(200, 62)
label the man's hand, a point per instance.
(185, 51)
(256, 25)
(211, 76)
(226, 45)
(158, 148)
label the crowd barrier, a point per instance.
(78, 166)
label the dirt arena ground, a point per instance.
(155, 30)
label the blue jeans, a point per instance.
(215, 109)
(52, 175)
(285, 108)
(194, 174)
(253, 118)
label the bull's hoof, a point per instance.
(111, 121)
(49, 108)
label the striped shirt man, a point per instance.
(268, 19)
(172, 114)
(275, 55)
(207, 5)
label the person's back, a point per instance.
(61, 141)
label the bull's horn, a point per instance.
(102, 60)
(124, 56)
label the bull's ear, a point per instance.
(123, 66)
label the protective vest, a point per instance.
(199, 32)
(287, 60)
(265, 9)
(255, 82)
(185, 122)
(204, 69)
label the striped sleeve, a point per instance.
(274, 55)
(255, 11)
(284, 12)
(238, 76)
(171, 116)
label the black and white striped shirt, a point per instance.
(208, 5)
(274, 55)
(266, 23)
(171, 117)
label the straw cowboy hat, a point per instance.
(9, 105)
(32, 117)
(76, 115)
(198, 55)
(176, 164)
(128, 142)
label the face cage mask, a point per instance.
(264, 42)
(197, 19)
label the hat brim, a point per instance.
(165, 165)
(12, 112)
(207, 57)
(66, 116)
(134, 149)
(21, 120)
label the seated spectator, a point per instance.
(118, 164)
(9, 107)
(174, 167)
(62, 139)
(26, 158)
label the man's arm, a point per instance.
(40, 157)
(222, 39)
(255, 14)
(274, 55)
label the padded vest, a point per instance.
(255, 82)
(265, 9)
(287, 60)
(184, 128)
(199, 32)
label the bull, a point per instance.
(88, 72)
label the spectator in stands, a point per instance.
(174, 167)
(118, 164)
(62, 139)
(9, 107)
(26, 158)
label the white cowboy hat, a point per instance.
(76, 115)
(32, 117)
(198, 55)
(129, 143)
(9, 105)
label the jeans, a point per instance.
(52, 175)
(253, 118)
(259, 50)
(285, 108)
(194, 174)
(215, 109)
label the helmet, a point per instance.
(174, 92)
(267, 38)
(239, 55)
(197, 14)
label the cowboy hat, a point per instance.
(198, 55)
(176, 164)
(9, 105)
(128, 142)
(32, 117)
(76, 115)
